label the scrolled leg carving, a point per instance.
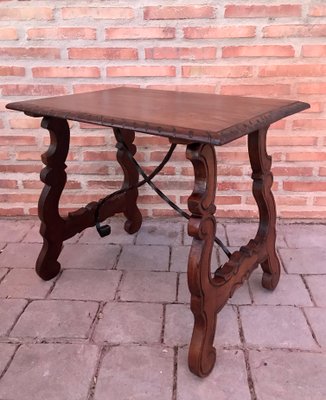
(262, 183)
(131, 177)
(202, 227)
(54, 177)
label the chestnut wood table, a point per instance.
(199, 121)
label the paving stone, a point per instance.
(179, 323)
(240, 233)
(50, 371)
(136, 372)
(160, 232)
(10, 309)
(280, 327)
(317, 285)
(56, 319)
(303, 236)
(24, 283)
(304, 261)
(317, 319)
(179, 259)
(6, 352)
(86, 285)
(289, 291)
(20, 255)
(130, 323)
(14, 231)
(3, 272)
(34, 236)
(89, 256)
(183, 290)
(285, 375)
(148, 286)
(220, 233)
(118, 234)
(241, 296)
(147, 258)
(227, 381)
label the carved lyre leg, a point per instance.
(202, 228)
(54, 178)
(131, 177)
(262, 183)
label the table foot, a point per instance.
(262, 182)
(131, 177)
(54, 177)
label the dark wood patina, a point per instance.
(199, 121)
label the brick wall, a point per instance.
(262, 48)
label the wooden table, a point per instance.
(199, 121)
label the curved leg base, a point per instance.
(271, 279)
(47, 267)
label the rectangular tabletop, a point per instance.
(197, 117)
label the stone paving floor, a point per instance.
(115, 323)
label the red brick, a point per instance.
(179, 12)
(97, 53)
(291, 140)
(8, 34)
(322, 171)
(4, 155)
(320, 201)
(33, 90)
(86, 168)
(235, 213)
(61, 33)
(303, 214)
(11, 71)
(66, 72)
(24, 123)
(292, 171)
(194, 53)
(292, 70)
(8, 184)
(36, 156)
(309, 124)
(99, 155)
(219, 32)
(281, 31)
(97, 12)
(313, 50)
(262, 11)
(87, 140)
(258, 51)
(17, 140)
(30, 52)
(256, 90)
(238, 186)
(312, 88)
(240, 71)
(141, 71)
(23, 168)
(304, 186)
(228, 200)
(103, 184)
(19, 198)
(282, 200)
(136, 33)
(306, 156)
(185, 88)
(26, 13)
(11, 211)
(317, 10)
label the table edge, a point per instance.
(227, 135)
